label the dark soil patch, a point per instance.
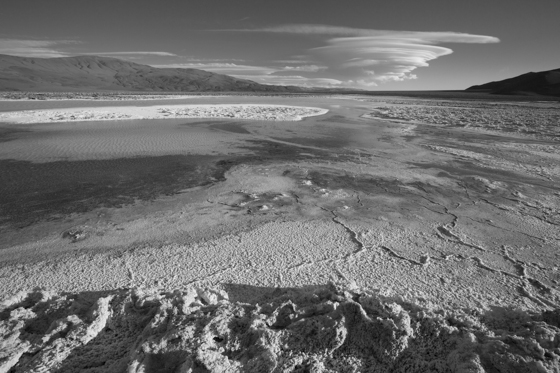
(8, 134)
(363, 183)
(464, 169)
(319, 142)
(230, 127)
(30, 192)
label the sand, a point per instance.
(341, 242)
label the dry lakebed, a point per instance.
(296, 233)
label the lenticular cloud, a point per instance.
(377, 59)
(367, 57)
(430, 36)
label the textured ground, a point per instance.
(253, 112)
(325, 329)
(537, 119)
(440, 229)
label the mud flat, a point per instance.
(343, 242)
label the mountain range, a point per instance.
(94, 73)
(541, 83)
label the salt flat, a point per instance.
(403, 206)
(230, 111)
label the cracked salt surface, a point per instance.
(231, 277)
(532, 119)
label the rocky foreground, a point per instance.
(321, 329)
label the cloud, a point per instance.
(365, 57)
(306, 68)
(148, 53)
(54, 48)
(223, 68)
(373, 59)
(293, 60)
(34, 48)
(292, 80)
(192, 59)
(261, 74)
(426, 36)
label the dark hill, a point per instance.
(92, 73)
(541, 83)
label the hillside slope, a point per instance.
(90, 73)
(542, 83)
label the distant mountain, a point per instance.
(542, 83)
(93, 73)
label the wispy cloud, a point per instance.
(292, 80)
(294, 60)
(263, 74)
(298, 58)
(209, 60)
(56, 48)
(425, 36)
(35, 48)
(305, 68)
(145, 53)
(223, 68)
(365, 57)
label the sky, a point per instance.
(365, 44)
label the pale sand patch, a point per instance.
(94, 140)
(113, 132)
(226, 111)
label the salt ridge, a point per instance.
(329, 328)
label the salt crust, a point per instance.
(225, 111)
(531, 119)
(332, 328)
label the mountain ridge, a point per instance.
(542, 83)
(95, 73)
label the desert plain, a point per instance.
(335, 233)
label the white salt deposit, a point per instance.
(227, 111)
(324, 329)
